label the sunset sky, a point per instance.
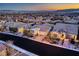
(37, 6)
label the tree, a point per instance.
(13, 29)
(2, 29)
(28, 33)
(53, 38)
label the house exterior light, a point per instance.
(21, 30)
(62, 36)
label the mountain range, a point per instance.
(49, 11)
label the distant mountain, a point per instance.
(7, 11)
(49, 11)
(68, 10)
(23, 11)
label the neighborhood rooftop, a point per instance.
(67, 28)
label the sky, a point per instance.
(38, 6)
